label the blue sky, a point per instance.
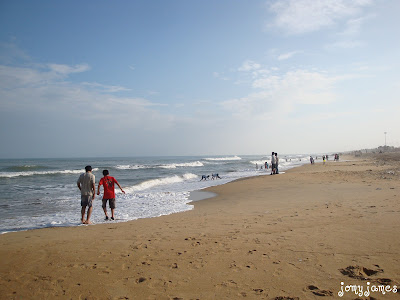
(128, 78)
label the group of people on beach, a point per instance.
(324, 158)
(274, 164)
(213, 176)
(86, 184)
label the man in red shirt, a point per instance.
(109, 192)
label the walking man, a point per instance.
(86, 183)
(109, 192)
(276, 163)
(273, 163)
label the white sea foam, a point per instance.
(223, 158)
(131, 167)
(33, 173)
(164, 166)
(189, 164)
(160, 182)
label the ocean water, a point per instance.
(39, 193)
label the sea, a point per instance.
(40, 193)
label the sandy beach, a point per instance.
(297, 235)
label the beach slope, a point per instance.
(298, 235)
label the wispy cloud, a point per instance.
(288, 55)
(249, 65)
(65, 69)
(282, 93)
(105, 88)
(42, 89)
(303, 16)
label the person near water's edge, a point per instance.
(86, 184)
(109, 192)
(273, 163)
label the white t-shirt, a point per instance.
(87, 180)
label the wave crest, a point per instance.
(160, 181)
(224, 158)
(34, 173)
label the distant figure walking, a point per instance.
(323, 159)
(276, 163)
(273, 163)
(204, 177)
(109, 192)
(215, 176)
(86, 184)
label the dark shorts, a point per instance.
(111, 203)
(86, 200)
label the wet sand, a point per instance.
(296, 235)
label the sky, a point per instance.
(197, 77)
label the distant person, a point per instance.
(272, 163)
(109, 192)
(266, 165)
(311, 159)
(276, 163)
(323, 159)
(256, 166)
(215, 176)
(204, 177)
(86, 184)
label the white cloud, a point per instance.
(105, 88)
(38, 90)
(65, 69)
(288, 55)
(302, 16)
(280, 94)
(304, 87)
(249, 65)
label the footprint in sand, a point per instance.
(358, 272)
(286, 298)
(316, 291)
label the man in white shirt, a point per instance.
(273, 163)
(86, 183)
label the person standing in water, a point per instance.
(109, 192)
(86, 184)
(273, 163)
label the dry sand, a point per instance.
(296, 235)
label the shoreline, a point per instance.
(257, 237)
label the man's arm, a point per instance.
(119, 186)
(98, 189)
(94, 189)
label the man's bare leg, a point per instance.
(89, 212)
(105, 212)
(112, 213)
(83, 214)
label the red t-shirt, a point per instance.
(108, 184)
